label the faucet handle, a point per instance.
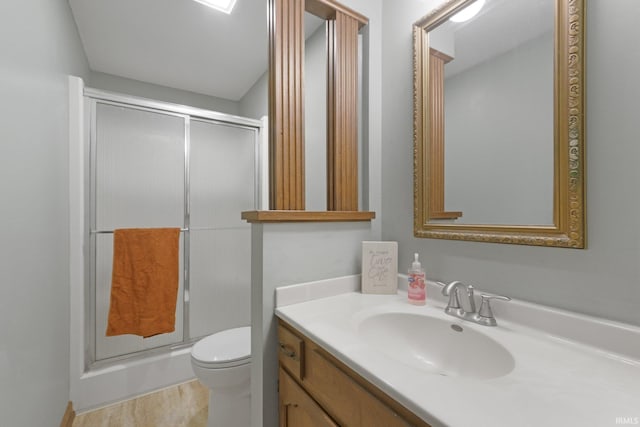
(485, 314)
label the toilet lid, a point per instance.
(231, 345)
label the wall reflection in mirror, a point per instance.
(498, 112)
(499, 122)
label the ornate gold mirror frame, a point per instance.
(569, 219)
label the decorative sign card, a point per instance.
(379, 267)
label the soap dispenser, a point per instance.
(416, 288)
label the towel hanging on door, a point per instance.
(144, 281)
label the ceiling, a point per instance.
(501, 25)
(180, 44)
(176, 43)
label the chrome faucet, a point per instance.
(453, 307)
(485, 314)
(483, 317)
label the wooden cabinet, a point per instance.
(318, 390)
(297, 409)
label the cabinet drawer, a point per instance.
(291, 352)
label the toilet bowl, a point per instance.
(222, 362)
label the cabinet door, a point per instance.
(297, 409)
(345, 399)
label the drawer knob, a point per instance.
(287, 351)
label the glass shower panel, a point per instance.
(223, 172)
(139, 159)
(124, 344)
(220, 280)
(222, 175)
(139, 181)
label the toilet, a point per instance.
(222, 362)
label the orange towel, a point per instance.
(144, 281)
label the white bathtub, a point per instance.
(129, 378)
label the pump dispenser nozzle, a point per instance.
(416, 264)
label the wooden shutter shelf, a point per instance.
(286, 113)
(307, 216)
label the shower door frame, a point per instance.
(93, 97)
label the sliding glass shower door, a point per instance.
(223, 170)
(153, 167)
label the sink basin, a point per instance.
(435, 345)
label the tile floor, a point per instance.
(184, 405)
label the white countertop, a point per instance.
(555, 381)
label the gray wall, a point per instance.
(499, 137)
(286, 254)
(40, 46)
(315, 120)
(255, 103)
(123, 85)
(602, 280)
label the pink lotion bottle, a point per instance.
(416, 289)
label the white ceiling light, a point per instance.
(468, 12)
(222, 5)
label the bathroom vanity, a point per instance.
(354, 360)
(316, 388)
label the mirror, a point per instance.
(498, 122)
